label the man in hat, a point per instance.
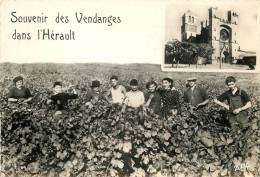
(94, 94)
(170, 98)
(195, 95)
(135, 97)
(117, 92)
(59, 97)
(238, 102)
(19, 91)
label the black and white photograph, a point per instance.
(119, 120)
(103, 106)
(211, 37)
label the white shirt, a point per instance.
(234, 91)
(117, 94)
(135, 99)
(192, 88)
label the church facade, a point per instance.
(220, 31)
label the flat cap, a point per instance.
(168, 79)
(192, 79)
(18, 78)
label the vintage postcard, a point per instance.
(93, 88)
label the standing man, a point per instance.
(94, 94)
(61, 98)
(117, 92)
(170, 98)
(238, 103)
(153, 98)
(135, 97)
(195, 95)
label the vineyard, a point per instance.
(103, 141)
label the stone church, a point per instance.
(220, 30)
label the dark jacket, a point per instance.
(61, 99)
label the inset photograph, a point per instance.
(201, 37)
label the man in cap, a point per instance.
(170, 98)
(195, 95)
(117, 92)
(94, 94)
(59, 97)
(19, 91)
(238, 102)
(135, 100)
(135, 97)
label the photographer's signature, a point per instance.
(246, 169)
(243, 167)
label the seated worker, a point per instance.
(237, 105)
(60, 98)
(170, 98)
(153, 98)
(19, 91)
(94, 94)
(134, 98)
(117, 92)
(195, 95)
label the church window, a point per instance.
(189, 18)
(192, 19)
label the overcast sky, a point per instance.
(247, 34)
